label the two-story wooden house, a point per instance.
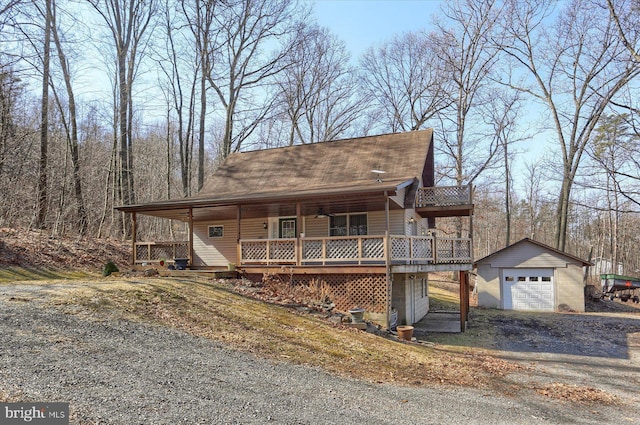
(356, 215)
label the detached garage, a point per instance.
(529, 275)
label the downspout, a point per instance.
(298, 227)
(388, 258)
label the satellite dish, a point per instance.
(378, 172)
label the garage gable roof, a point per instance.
(544, 247)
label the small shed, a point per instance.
(529, 275)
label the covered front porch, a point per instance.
(254, 234)
(327, 251)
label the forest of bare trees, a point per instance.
(112, 102)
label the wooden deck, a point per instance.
(370, 250)
(444, 201)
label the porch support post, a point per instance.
(386, 210)
(464, 299)
(298, 227)
(238, 249)
(191, 236)
(134, 231)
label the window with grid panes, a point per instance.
(348, 225)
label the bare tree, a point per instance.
(465, 45)
(200, 18)
(127, 22)
(181, 90)
(72, 126)
(625, 20)
(7, 10)
(406, 81)
(576, 67)
(243, 71)
(318, 90)
(502, 114)
(41, 210)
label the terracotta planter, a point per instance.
(405, 332)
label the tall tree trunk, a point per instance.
(72, 138)
(203, 112)
(507, 197)
(41, 215)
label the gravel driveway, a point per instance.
(121, 372)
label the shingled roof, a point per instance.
(338, 166)
(319, 166)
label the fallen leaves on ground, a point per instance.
(576, 394)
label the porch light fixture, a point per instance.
(321, 213)
(412, 220)
(264, 225)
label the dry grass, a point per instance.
(213, 311)
(576, 394)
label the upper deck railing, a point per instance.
(443, 196)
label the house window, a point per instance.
(338, 225)
(216, 231)
(287, 228)
(348, 225)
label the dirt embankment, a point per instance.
(38, 249)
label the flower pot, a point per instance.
(405, 332)
(357, 315)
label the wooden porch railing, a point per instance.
(356, 250)
(443, 196)
(151, 252)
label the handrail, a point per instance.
(363, 249)
(443, 196)
(157, 251)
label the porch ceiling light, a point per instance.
(321, 213)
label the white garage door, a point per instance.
(528, 289)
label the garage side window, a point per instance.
(216, 231)
(423, 284)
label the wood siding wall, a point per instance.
(407, 297)
(219, 252)
(570, 287)
(489, 288)
(527, 255)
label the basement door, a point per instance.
(528, 289)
